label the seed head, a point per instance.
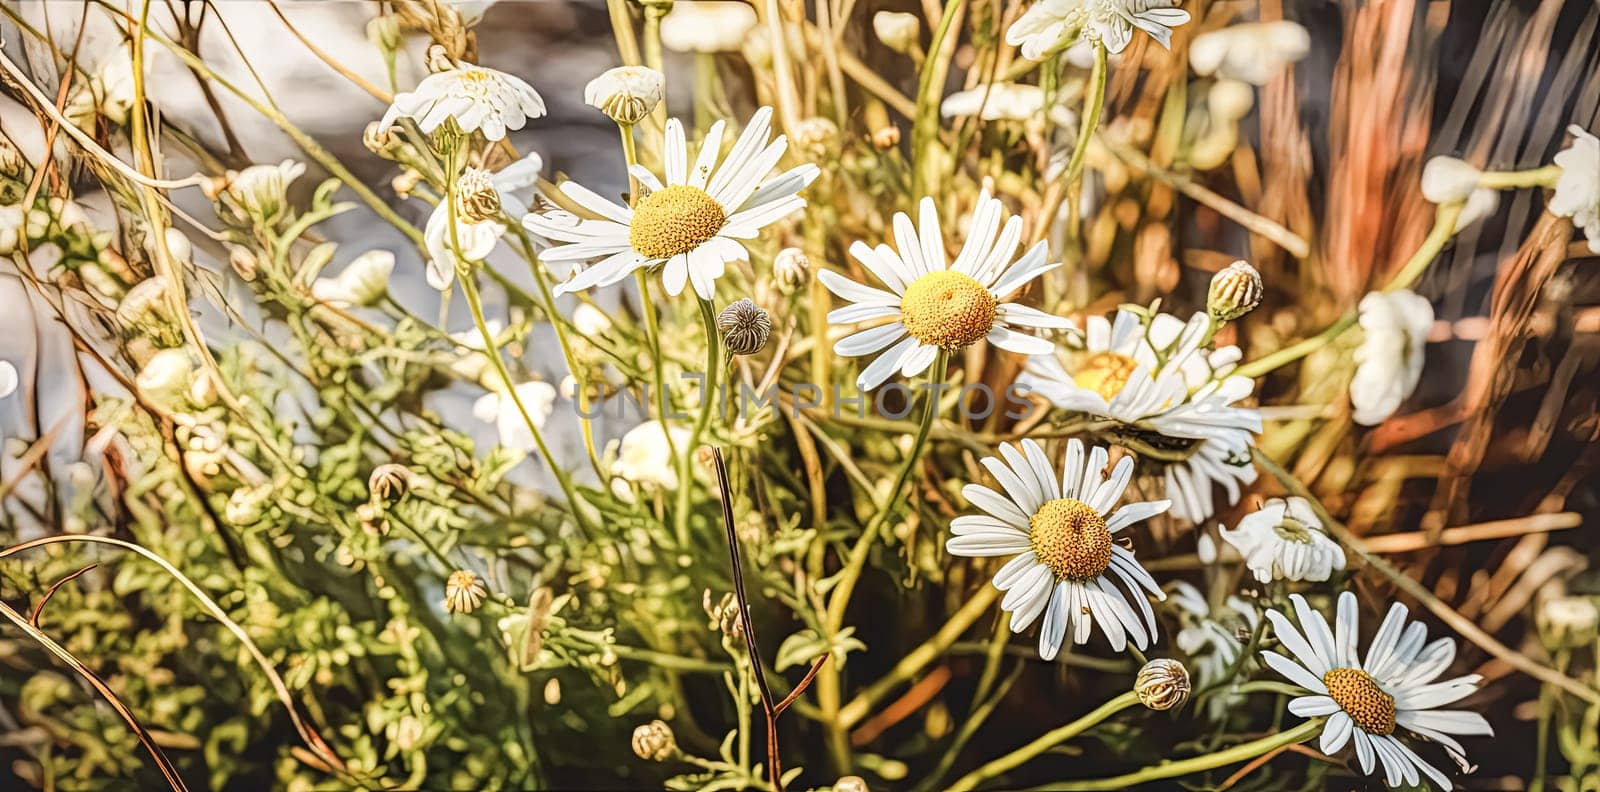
(389, 483)
(463, 592)
(1235, 291)
(1162, 684)
(745, 327)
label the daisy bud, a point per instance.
(463, 592)
(384, 32)
(389, 483)
(1162, 684)
(886, 138)
(1235, 291)
(654, 741)
(165, 378)
(1568, 621)
(897, 30)
(477, 200)
(815, 135)
(404, 182)
(380, 140)
(439, 60)
(626, 94)
(790, 269)
(852, 783)
(257, 195)
(589, 320)
(1448, 180)
(745, 327)
(243, 262)
(12, 164)
(707, 25)
(144, 306)
(1230, 100)
(178, 246)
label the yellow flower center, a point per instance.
(1105, 373)
(1360, 697)
(947, 309)
(675, 220)
(474, 75)
(1070, 539)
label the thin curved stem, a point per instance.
(1211, 761)
(1044, 743)
(708, 397)
(1093, 104)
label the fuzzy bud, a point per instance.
(389, 483)
(790, 269)
(1162, 684)
(1235, 291)
(1448, 180)
(626, 94)
(654, 741)
(745, 327)
(897, 30)
(463, 592)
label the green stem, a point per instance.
(919, 658)
(830, 682)
(708, 397)
(1506, 180)
(1211, 761)
(1444, 227)
(1093, 105)
(926, 124)
(652, 324)
(1044, 743)
(1289, 354)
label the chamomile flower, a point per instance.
(362, 282)
(691, 225)
(495, 407)
(1151, 374)
(1577, 192)
(1389, 361)
(938, 304)
(1005, 101)
(482, 199)
(1254, 52)
(1210, 636)
(1051, 25)
(1368, 701)
(1066, 566)
(1284, 540)
(475, 96)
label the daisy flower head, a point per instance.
(1389, 361)
(475, 96)
(1577, 192)
(481, 200)
(1150, 372)
(1285, 540)
(1059, 530)
(1210, 636)
(939, 304)
(1369, 700)
(692, 225)
(1051, 25)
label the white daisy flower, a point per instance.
(644, 455)
(707, 25)
(936, 303)
(1060, 530)
(692, 224)
(1285, 540)
(1254, 52)
(361, 282)
(1050, 25)
(1578, 190)
(1390, 359)
(475, 96)
(1152, 375)
(499, 409)
(1367, 701)
(8, 379)
(482, 200)
(1004, 101)
(1210, 637)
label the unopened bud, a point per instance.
(1162, 684)
(384, 32)
(654, 741)
(1568, 621)
(897, 30)
(790, 269)
(851, 783)
(1235, 291)
(626, 94)
(745, 327)
(886, 138)
(463, 592)
(1449, 180)
(389, 483)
